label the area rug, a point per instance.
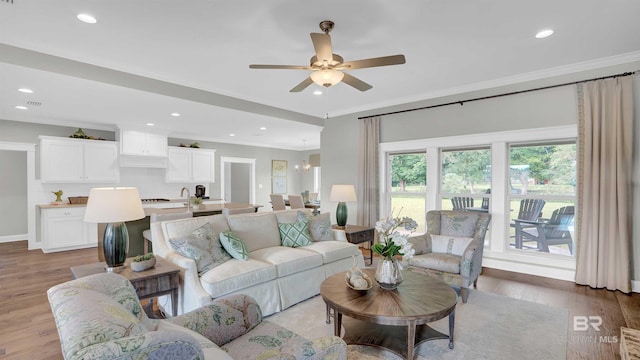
(488, 326)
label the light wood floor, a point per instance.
(27, 329)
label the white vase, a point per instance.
(388, 274)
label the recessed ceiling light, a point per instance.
(87, 18)
(317, 92)
(151, 124)
(25, 90)
(21, 107)
(544, 33)
(175, 114)
(263, 128)
(232, 134)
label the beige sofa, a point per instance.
(275, 276)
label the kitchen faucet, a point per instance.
(188, 197)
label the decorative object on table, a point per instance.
(143, 262)
(278, 176)
(196, 203)
(391, 243)
(195, 145)
(356, 279)
(114, 206)
(58, 200)
(342, 194)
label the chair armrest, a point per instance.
(467, 260)
(527, 222)
(225, 319)
(153, 344)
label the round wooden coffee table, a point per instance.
(396, 319)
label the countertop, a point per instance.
(148, 211)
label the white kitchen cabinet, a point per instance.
(63, 228)
(64, 160)
(190, 165)
(141, 143)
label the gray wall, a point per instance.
(551, 107)
(13, 193)
(240, 182)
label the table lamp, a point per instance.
(114, 206)
(342, 194)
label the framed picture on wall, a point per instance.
(279, 168)
(279, 185)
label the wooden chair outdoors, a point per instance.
(530, 211)
(485, 200)
(277, 202)
(295, 202)
(461, 202)
(555, 231)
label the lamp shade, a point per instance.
(342, 193)
(326, 77)
(113, 204)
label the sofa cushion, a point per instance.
(257, 230)
(333, 250)
(184, 227)
(290, 215)
(270, 341)
(319, 225)
(295, 234)
(234, 245)
(437, 261)
(203, 246)
(444, 244)
(288, 260)
(235, 275)
(458, 224)
(421, 243)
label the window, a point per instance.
(466, 176)
(407, 184)
(542, 193)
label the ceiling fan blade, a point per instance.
(288, 67)
(303, 85)
(355, 82)
(322, 44)
(373, 62)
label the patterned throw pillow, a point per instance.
(445, 244)
(294, 235)
(234, 246)
(203, 246)
(458, 224)
(319, 225)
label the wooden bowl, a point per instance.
(365, 277)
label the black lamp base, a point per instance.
(115, 245)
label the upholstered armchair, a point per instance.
(451, 250)
(100, 317)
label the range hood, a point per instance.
(143, 161)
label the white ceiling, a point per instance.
(193, 57)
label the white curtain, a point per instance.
(605, 128)
(368, 191)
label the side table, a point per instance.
(359, 234)
(162, 279)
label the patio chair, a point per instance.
(555, 231)
(461, 202)
(530, 211)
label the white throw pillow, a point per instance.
(445, 244)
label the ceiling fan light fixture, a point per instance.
(327, 77)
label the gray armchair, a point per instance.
(451, 250)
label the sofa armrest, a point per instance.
(153, 344)
(224, 320)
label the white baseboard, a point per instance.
(635, 286)
(12, 238)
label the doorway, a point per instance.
(237, 179)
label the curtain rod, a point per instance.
(461, 102)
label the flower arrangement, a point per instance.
(391, 241)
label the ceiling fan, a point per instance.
(326, 67)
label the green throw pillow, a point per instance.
(234, 246)
(294, 235)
